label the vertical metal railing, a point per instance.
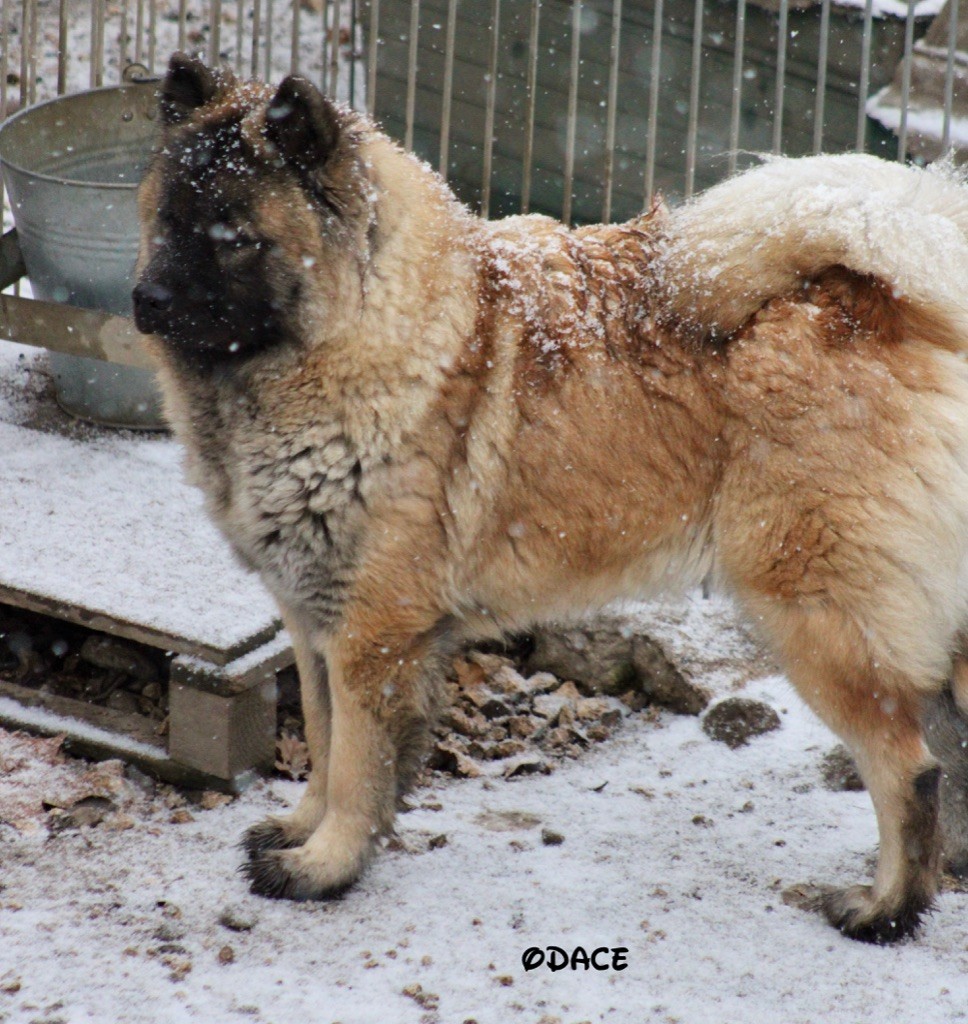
(583, 108)
(490, 107)
(736, 103)
(949, 75)
(574, 70)
(614, 50)
(820, 90)
(532, 100)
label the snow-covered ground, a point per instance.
(675, 848)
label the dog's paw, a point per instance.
(856, 913)
(271, 834)
(324, 868)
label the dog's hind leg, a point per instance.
(281, 833)
(879, 718)
(946, 731)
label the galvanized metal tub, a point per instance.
(71, 167)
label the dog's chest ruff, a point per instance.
(293, 510)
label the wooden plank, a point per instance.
(103, 734)
(138, 728)
(72, 330)
(144, 634)
(250, 670)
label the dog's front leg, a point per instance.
(384, 665)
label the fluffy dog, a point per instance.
(421, 427)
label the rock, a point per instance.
(170, 931)
(527, 764)
(449, 757)
(550, 705)
(123, 701)
(507, 748)
(597, 653)
(541, 682)
(839, 771)
(590, 709)
(551, 838)
(89, 811)
(467, 725)
(117, 655)
(605, 655)
(525, 727)
(437, 842)
(237, 919)
(226, 955)
(663, 683)
(734, 720)
(490, 663)
(509, 682)
(494, 708)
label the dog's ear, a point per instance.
(188, 85)
(302, 124)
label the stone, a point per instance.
(449, 757)
(605, 655)
(839, 771)
(114, 654)
(237, 919)
(735, 720)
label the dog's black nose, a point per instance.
(151, 301)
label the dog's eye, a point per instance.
(230, 237)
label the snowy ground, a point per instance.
(675, 847)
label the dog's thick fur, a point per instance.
(420, 427)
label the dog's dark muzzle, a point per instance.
(152, 307)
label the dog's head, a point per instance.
(255, 214)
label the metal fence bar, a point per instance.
(612, 107)
(820, 90)
(372, 56)
(256, 33)
(24, 49)
(865, 77)
(654, 83)
(528, 155)
(575, 68)
(412, 72)
(737, 99)
(61, 49)
(334, 48)
(215, 32)
(324, 50)
(949, 74)
(692, 131)
(182, 23)
(139, 30)
(781, 60)
(152, 35)
(4, 58)
(124, 38)
(353, 53)
(267, 45)
(239, 34)
(294, 37)
(489, 111)
(906, 82)
(448, 86)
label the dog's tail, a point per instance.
(761, 234)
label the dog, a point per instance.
(420, 428)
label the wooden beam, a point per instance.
(136, 631)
